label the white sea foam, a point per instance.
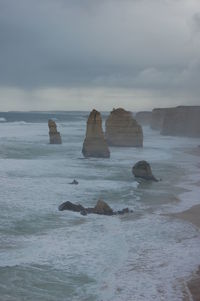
(141, 256)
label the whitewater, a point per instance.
(48, 255)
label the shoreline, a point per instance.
(191, 215)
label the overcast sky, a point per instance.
(84, 54)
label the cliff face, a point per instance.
(143, 117)
(182, 121)
(95, 144)
(54, 135)
(157, 118)
(123, 130)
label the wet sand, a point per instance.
(191, 215)
(192, 292)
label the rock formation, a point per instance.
(74, 182)
(157, 118)
(54, 135)
(182, 121)
(123, 130)
(95, 144)
(142, 169)
(101, 208)
(144, 117)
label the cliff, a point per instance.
(123, 130)
(143, 117)
(157, 118)
(182, 121)
(95, 144)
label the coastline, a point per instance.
(192, 215)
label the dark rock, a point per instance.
(54, 135)
(142, 169)
(101, 208)
(70, 206)
(74, 182)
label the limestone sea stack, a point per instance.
(95, 144)
(54, 135)
(123, 130)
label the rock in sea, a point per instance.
(142, 169)
(123, 130)
(95, 144)
(101, 208)
(54, 135)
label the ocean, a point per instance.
(48, 255)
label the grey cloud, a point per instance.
(113, 43)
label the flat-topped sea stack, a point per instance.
(143, 117)
(182, 121)
(54, 135)
(123, 130)
(95, 144)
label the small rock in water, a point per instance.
(101, 208)
(142, 169)
(74, 182)
(70, 206)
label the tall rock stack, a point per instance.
(123, 130)
(54, 135)
(95, 144)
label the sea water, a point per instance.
(48, 255)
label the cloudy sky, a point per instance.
(81, 54)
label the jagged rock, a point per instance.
(95, 144)
(182, 121)
(101, 208)
(143, 117)
(123, 130)
(70, 206)
(54, 135)
(74, 182)
(142, 169)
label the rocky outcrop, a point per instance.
(74, 182)
(182, 121)
(144, 117)
(101, 208)
(157, 118)
(54, 135)
(142, 169)
(123, 130)
(95, 144)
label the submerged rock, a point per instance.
(142, 169)
(95, 144)
(54, 135)
(74, 182)
(123, 130)
(101, 208)
(70, 206)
